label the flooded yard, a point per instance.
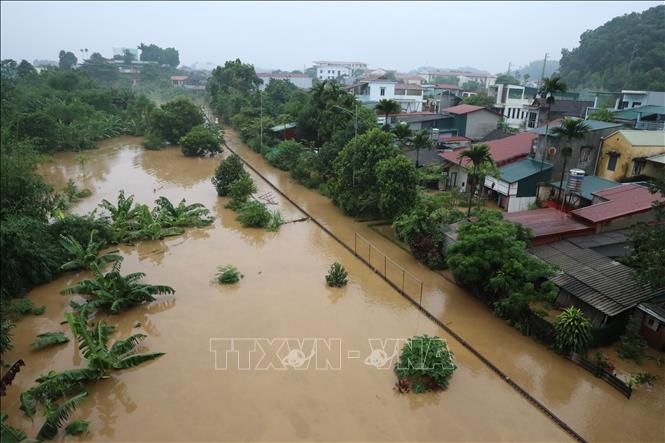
(183, 397)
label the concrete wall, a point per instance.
(331, 72)
(624, 166)
(480, 123)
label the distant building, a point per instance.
(634, 99)
(302, 81)
(512, 101)
(332, 70)
(410, 79)
(624, 153)
(473, 122)
(537, 110)
(409, 96)
(179, 80)
(286, 131)
(371, 91)
(648, 117)
(485, 79)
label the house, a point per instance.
(517, 184)
(651, 315)
(655, 166)
(512, 102)
(410, 79)
(620, 207)
(549, 225)
(603, 289)
(179, 80)
(302, 81)
(537, 110)
(634, 99)
(441, 96)
(649, 117)
(284, 132)
(624, 153)
(504, 151)
(332, 70)
(417, 121)
(485, 79)
(452, 141)
(584, 197)
(409, 96)
(585, 152)
(472, 121)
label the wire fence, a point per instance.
(398, 277)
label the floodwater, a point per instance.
(182, 397)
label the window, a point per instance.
(382, 91)
(585, 154)
(636, 104)
(612, 162)
(532, 119)
(624, 105)
(638, 165)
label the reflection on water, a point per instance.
(182, 397)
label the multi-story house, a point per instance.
(331, 70)
(512, 101)
(302, 81)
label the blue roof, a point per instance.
(631, 113)
(594, 125)
(591, 184)
(283, 127)
(515, 172)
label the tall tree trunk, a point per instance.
(561, 193)
(547, 130)
(469, 182)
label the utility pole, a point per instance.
(509, 66)
(261, 98)
(542, 72)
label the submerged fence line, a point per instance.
(544, 409)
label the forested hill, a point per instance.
(628, 52)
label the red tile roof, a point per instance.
(407, 86)
(504, 150)
(455, 138)
(177, 78)
(620, 201)
(463, 109)
(546, 222)
(447, 86)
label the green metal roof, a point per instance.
(591, 184)
(515, 172)
(594, 125)
(631, 113)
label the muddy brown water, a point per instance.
(181, 397)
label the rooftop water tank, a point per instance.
(575, 180)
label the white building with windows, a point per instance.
(513, 103)
(331, 70)
(370, 92)
(300, 80)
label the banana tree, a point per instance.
(182, 215)
(83, 257)
(149, 226)
(115, 292)
(122, 214)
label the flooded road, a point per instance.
(589, 405)
(182, 397)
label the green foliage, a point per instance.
(153, 142)
(506, 79)
(175, 119)
(285, 155)
(573, 331)
(48, 339)
(57, 415)
(114, 292)
(275, 222)
(229, 170)
(422, 140)
(235, 76)
(480, 164)
(85, 257)
(425, 363)
(632, 345)
(6, 335)
(641, 378)
(337, 275)
(386, 107)
(227, 275)
(254, 215)
(77, 427)
(602, 114)
(306, 169)
(240, 190)
(355, 187)
(200, 141)
(21, 307)
(183, 215)
(396, 182)
(67, 60)
(624, 53)
(9, 434)
(490, 258)
(162, 56)
(24, 192)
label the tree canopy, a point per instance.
(625, 53)
(163, 56)
(67, 59)
(175, 119)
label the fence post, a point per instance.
(369, 258)
(385, 272)
(355, 244)
(403, 281)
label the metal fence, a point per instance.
(398, 277)
(603, 374)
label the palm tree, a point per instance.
(479, 156)
(83, 257)
(182, 215)
(387, 107)
(402, 131)
(570, 129)
(421, 140)
(549, 87)
(573, 331)
(114, 292)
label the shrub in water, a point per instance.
(425, 364)
(240, 190)
(254, 215)
(229, 170)
(276, 221)
(227, 275)
(154, 142)
(199, 141)
(337, 275)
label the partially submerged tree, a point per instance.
(200, 141)
(480, 158)
(573, 331)
(425, 364)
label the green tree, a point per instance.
(229, 170)
(479, 157)
(472, 86)
(573, 331)
(506, 79)
(396, 181)
(402, 132)
(234, 76)
(425, 363)
(200, 141)
(67, 60)
(548, 88)
(175, 119)
(446, 79)
(127, 56)
(422, 140)
(170, 57)
(602, 114)
(479, 100)
(387, 107)
(354, 187)
(285, 155)
(26, 70)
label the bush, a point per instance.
(153, 142)
(337, 276)
(254, 215)
(285, 155)
(276, 221)
(6, 335)
(425, 364)
(240, 190)
(229, 170)
(200, 141)
(632, 344)
(22, 307)
(305, 170)
(80, 228)
(227, 275)
(175, 119)
(573, 331)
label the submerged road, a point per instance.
(586, 407)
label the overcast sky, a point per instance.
(289, 35)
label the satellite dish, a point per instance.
(551, 151)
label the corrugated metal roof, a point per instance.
(657, 159)
(545, 222)
(594, 125)
(463, 109)
(283, 127)
(642, 138)
(504, 150)
(631, 114)
(620, 201)
(524, 168)
(656, 309)
(590, 185)
(597, 280)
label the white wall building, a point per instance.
(300, 80)
(513, 103)
(331, 70)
